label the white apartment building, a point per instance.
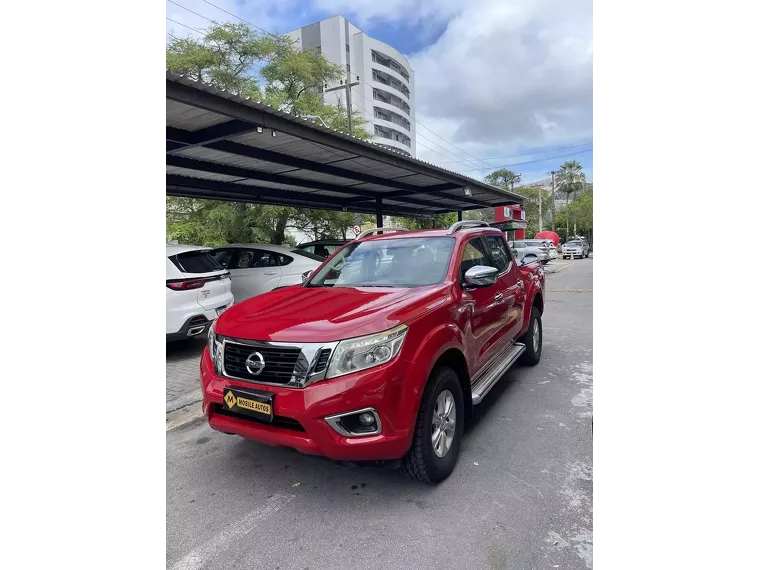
(385, 93)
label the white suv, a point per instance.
(198, 289)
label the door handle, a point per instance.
(270, 273)
(520, 284)
(498, 297)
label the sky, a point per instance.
(499, 83)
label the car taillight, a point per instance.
(542, 248)
(186, 284)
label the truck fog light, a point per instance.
(357, 423)
(366, 419)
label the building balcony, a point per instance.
(382, 78)
(389, 101)
(385, 134)
(390, 63)
(388, 116)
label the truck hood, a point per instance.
(325, 314)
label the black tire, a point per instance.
(531, 354)
(421, 462)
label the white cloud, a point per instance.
(504, 75)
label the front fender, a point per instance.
(534, 293)
(428, 348)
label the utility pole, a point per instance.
(553, 201)
(347, 86)
(540, 208)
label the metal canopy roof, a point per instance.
(221, 146)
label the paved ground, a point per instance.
(520, 498)
(182, 372)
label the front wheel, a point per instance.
(439, 429)
(533, 339)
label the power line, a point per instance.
(534, 161)
(537, 152)
(186, 26)
(192, 12)
(239, 18)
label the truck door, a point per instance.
(510, 288)
(485, 308)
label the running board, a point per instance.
(494, 371)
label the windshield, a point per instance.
(307, 254)
(396, 262)
(575, 244)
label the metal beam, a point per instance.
(229, 170)
(223, 195)
(304, 164)
(432, 190)
(241, 110)
(189, 139)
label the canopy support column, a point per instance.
(460, 215)
(379, 212)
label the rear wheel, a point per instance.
(533, 339)
(439, 429)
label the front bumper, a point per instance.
(299, 413)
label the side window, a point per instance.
(224, 257)
(285, 259)
(499, 252)
(264, 258)
(474, 254)
(246, 260)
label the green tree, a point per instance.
(570, 179)
(439, 221)
(485, 215)
(268, 67)
(580, 211)
(503, 178)
(227, 57)
(533, 195)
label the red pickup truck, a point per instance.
(382, 352)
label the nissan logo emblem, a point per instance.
(255, 363)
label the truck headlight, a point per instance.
(364, 352)
(214, 347)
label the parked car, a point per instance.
(382, 353)
(322, 248)
(260, 268)
(576, 247)
(197, 291)
(535, 246)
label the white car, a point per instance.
(197, 290)
(260, 268)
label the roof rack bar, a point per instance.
(372, 231)
(467, 224)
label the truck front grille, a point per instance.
(278, 362)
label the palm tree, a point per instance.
(570, 178)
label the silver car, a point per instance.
(537, 247)
(576, 248)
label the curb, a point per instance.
(184, 416)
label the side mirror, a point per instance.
(529, 258)
(480, 276)
(305, 276)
